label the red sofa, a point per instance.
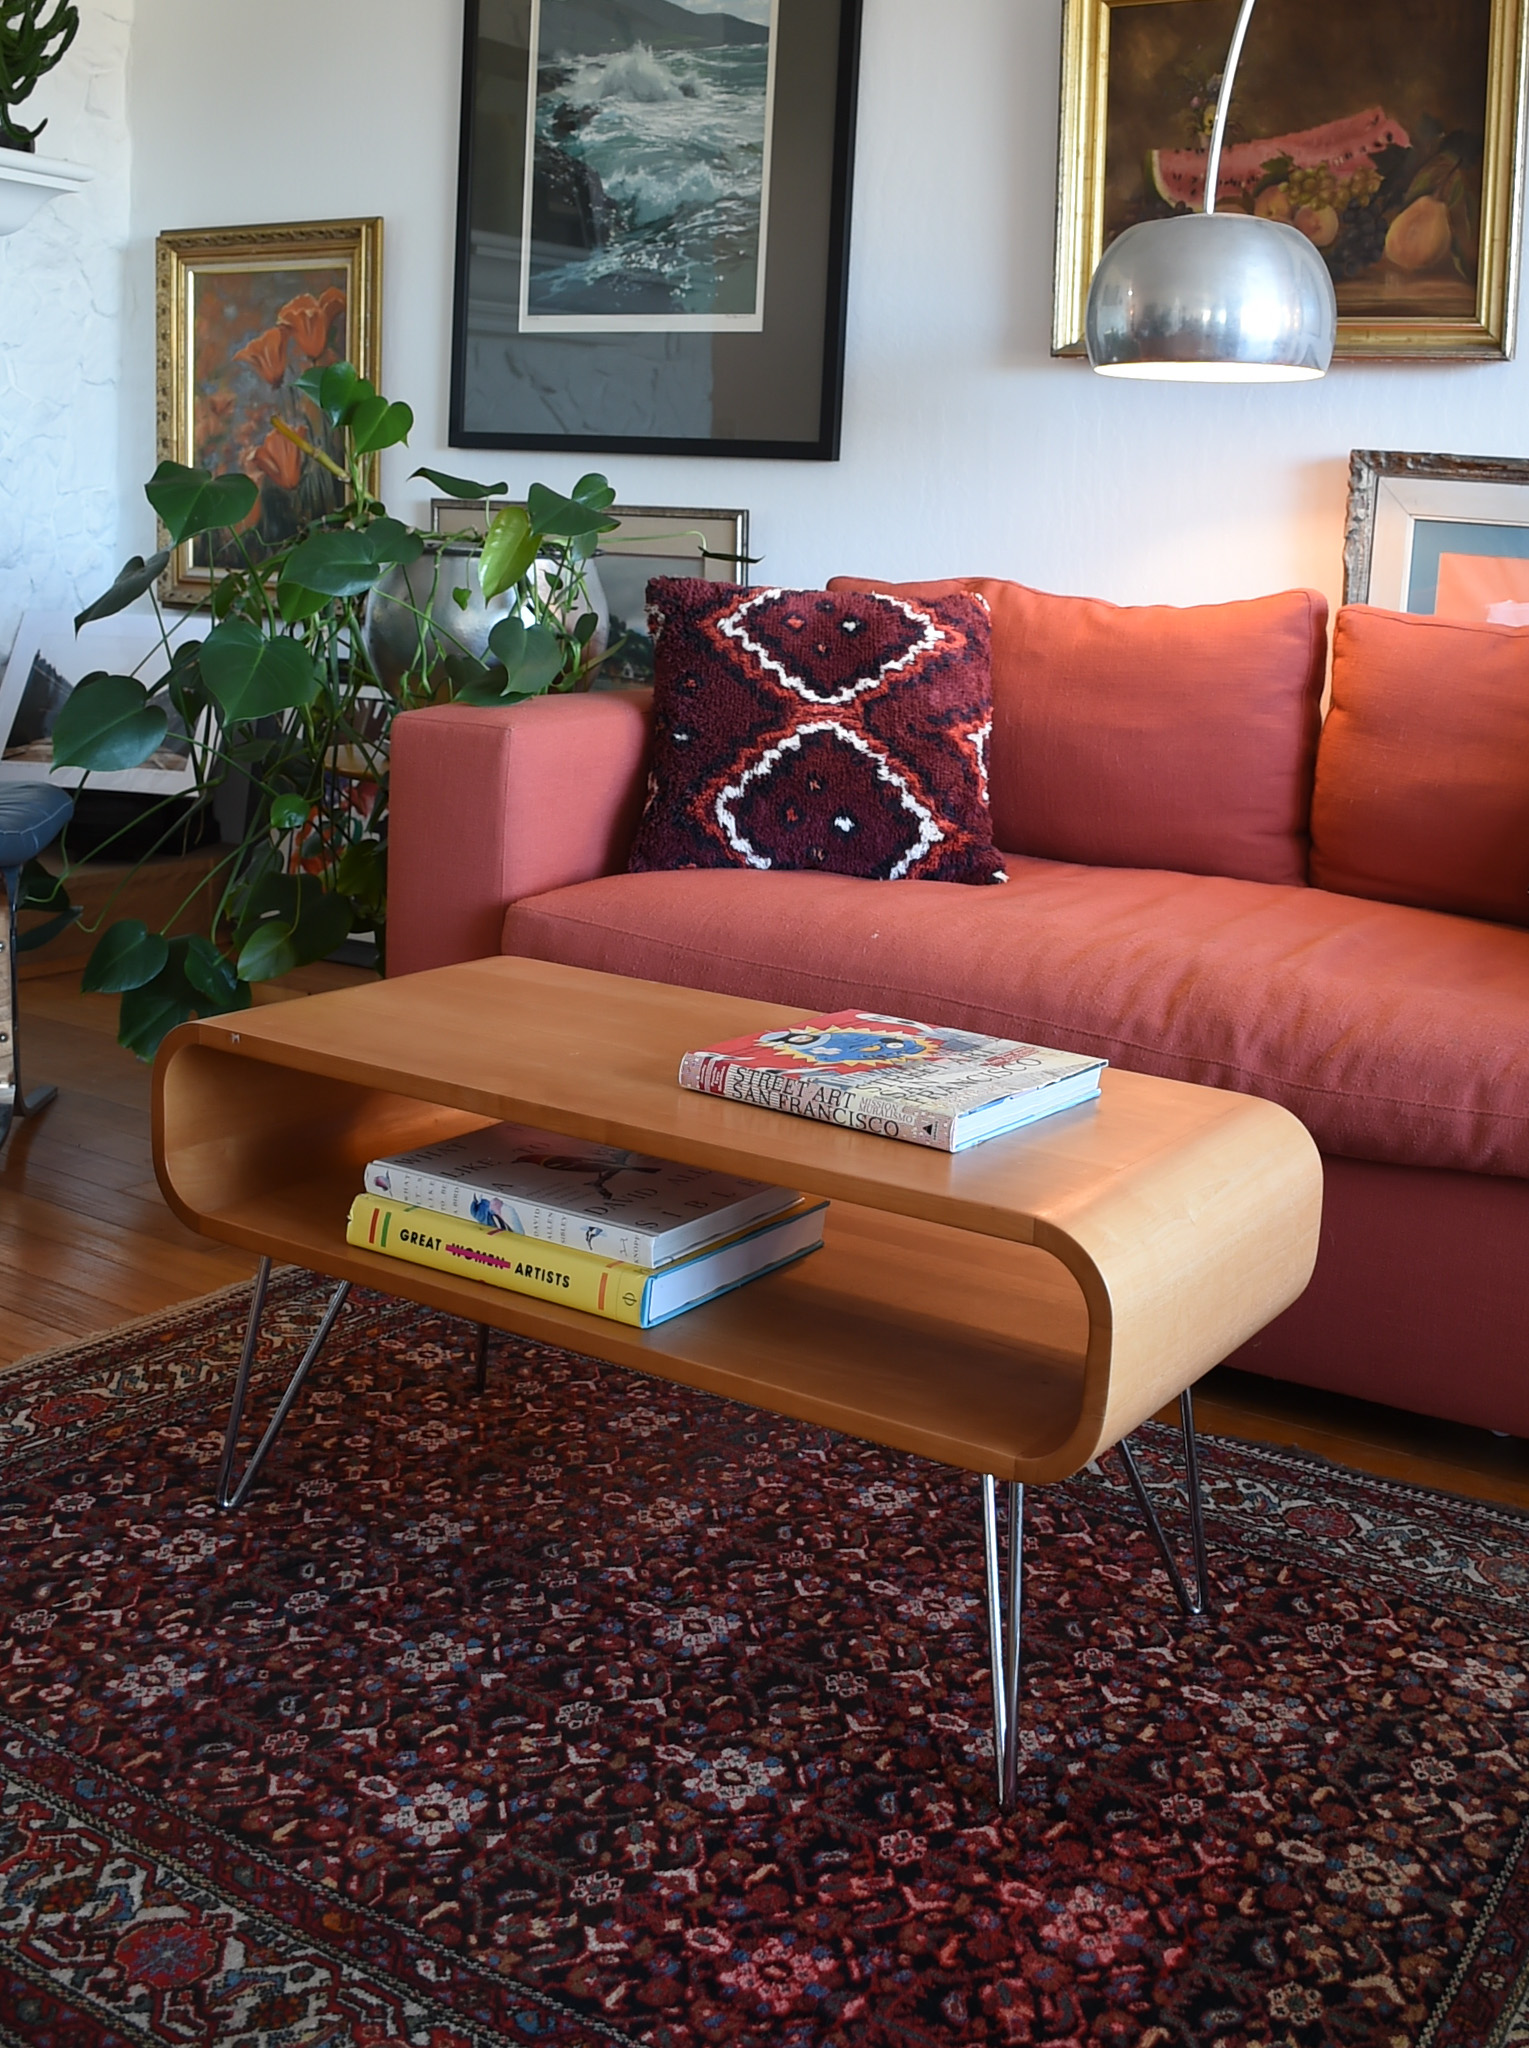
(1205, 882)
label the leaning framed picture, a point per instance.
(648, 540)
(653, 225)
(657, 540)
(242, 313)
(1392, 137)
(1446, 535)
(49, 661)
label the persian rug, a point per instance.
(596, 1711)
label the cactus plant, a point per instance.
(32, 40)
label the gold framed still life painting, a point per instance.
(1389, 132)
(242, 313)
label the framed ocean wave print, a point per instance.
(1388, 132)
(653, 225)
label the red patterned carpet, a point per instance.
(596, 1711)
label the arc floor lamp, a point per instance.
(1212, 297)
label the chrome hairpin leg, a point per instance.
(228, 1494)
(1200, 1602)
(1003, 1624)
(480, 1380)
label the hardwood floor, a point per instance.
(85, 1238)
(86, 1242)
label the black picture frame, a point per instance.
(776, 392)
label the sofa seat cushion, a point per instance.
(1396, 1035)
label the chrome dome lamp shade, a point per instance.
(1212, 297)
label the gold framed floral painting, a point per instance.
(1389, 132)
(242, 313)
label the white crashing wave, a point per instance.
(660, 195)
(634, 74)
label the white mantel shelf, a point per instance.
(28, 182)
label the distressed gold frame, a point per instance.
(180, 256)
(1080, 197)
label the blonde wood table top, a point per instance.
(1014, 1309)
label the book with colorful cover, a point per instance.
(614, 1288)
(569, 1191)
(895, 1078)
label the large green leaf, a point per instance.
(460, 486)
(148, 1015)
(334, 389)
(339, 564)
(564, 518)
(251, 676)
(593, 490)
(348, 562)
(189, 501)
(127, 955)
(289, 812)
(297, 603)
(213, 977)
(134, 578)
(375, 424)
(280, 943)
(391, 541)
(532, 655)
(509, 549)
(108, 723)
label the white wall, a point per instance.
(965, 448)
(61, 338)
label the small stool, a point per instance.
(32, 814)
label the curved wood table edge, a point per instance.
(1180, 1257)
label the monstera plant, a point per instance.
(281, 699)
(34, 34)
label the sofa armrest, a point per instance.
(490, 804)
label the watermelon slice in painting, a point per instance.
(1344, 146)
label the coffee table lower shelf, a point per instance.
(845, 1338)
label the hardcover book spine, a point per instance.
(553, 1226)
(576, 1279)
(851, 1109)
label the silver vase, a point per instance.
(394, 628)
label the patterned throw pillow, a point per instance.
(838, 731)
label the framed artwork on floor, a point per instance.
(1445, 535)
(1390, 136)
(653, 225)
(242, 313)
(649, 540)
(50, 660)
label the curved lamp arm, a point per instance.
(1224, 105)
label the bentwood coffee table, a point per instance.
(1014, 1310)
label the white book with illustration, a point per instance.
(569, 1191)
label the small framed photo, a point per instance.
(655, 540)
(242, 313)
(50, 660)
(651, 540)
(1445, 535)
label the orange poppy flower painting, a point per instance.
(243, 314)
(254, 333)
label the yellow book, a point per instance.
(640, 1295)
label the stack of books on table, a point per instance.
(618, 1234)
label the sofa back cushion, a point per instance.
(1152, 736)
(1422, 786)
